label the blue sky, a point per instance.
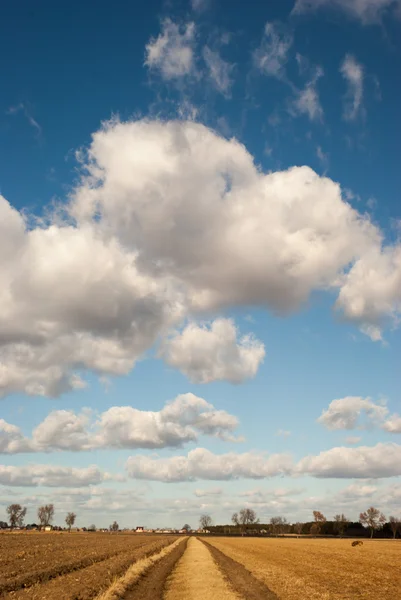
(199, 259)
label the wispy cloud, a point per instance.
(366, 11)
(171, 53)
(272, 54)
(352, 71)
(219, 71)
(22, 108)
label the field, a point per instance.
(138, 567)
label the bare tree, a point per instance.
(205, 521)
(340, 523)
(245, 517)
(395, 525)
(373, 519)
(319, 519)
(16, 514)
(70, 520)
(278, 524)
(315, 529)
(114, 526)
(45, 514)
(187, 527)
(298, 527)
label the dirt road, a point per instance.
(195, 570)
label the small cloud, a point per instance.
(283, 433)
(22, 108)
(219, 71)
(171, 53)
(307, 100)
(323, 157)
(272, 55)
(353, 73)
(352, 440)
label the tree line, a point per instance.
(246, 521)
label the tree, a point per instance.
(373, 519)
(187, 527)
(45, 514)
(246, 517)
(16, 514)
(298, 527)
(340, 523)
(70, 520)
(92, 528)
(205, 521)
(315, 529)
(278, 524)
(395, 525)
(114, 526)
(319, 519)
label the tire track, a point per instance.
(151, 586)
(241, 580)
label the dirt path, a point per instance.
(240, 578)
(197, 577)
(151, 585)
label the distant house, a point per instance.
(47, 528)
(139, 530)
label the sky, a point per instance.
(200, 259)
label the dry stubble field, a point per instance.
(138, 567)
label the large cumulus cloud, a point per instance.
(169, 220)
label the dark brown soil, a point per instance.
(79, 567)
(240, 579)
(151, 585)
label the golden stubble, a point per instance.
(316, 569)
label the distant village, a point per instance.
(34, 527)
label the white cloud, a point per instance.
(12, 439)
(352, 71)
(62, 430)
(208, 492)
(367, 11)
(371, 290)
(352, 440)
(202, 464)
(393, 424)
(52, 476)
(307, 100)
(167, 221)
(345, 413)
(180, 421)
(382, 460)
(171, 53)
(272, 55)
(212, 352)
(307, 103)
(219, 71)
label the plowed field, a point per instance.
(68, 566)
(135, 567)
